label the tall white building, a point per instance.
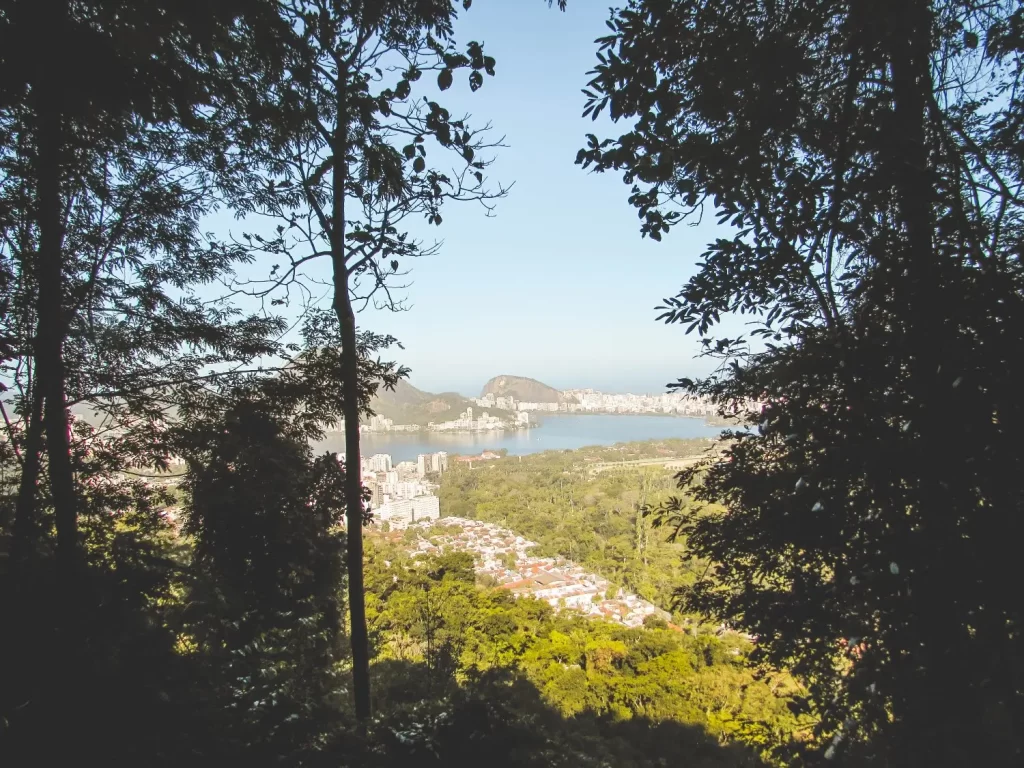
(396, 513)
(439, 462)
(399, 513)
(380, 462)
(380, 424)
(431, 462)
(425, 508)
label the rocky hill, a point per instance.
(522, 388)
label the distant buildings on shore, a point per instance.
(464, 423)
(485, 423)
(571, 401)
(671, 403)
(592, 401)
(381, 424)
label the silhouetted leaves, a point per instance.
(869, 183)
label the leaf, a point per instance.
(444, 79)
(475, 81)
(419, 164)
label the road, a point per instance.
(672, 463)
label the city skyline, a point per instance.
(471, 389)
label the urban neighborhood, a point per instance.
(503, 558)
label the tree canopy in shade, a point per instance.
(866, 157)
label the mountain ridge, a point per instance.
(406, 404)
(523, 388)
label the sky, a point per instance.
(557, 285)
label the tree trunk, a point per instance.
(26, 524)
(354, 503)
(350, 391)
(50, 335)
(925, 669)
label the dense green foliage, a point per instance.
(598, 519)
(230, 630)
(867, 156)
(598, 676)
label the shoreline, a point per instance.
(554, 434)
(711, 421)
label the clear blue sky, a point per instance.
(558, 285)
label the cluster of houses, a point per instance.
(505, 558)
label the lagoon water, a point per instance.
(556, 433)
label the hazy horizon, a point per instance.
(437, 382)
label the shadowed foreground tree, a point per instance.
(348, 153)
(868, 157)
(80, 174)
(265, 616)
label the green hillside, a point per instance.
(408, 405)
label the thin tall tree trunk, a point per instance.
(924, 665)
(350, 391)
(50, 335)
(912, 88)
(26, 524)
(354, 502)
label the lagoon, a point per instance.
(557, 432)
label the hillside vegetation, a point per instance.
(408, 405)
(595, 519)
(562, 689)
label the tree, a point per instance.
(346, 169)
(99, 178)
(107, 167)
(266, 516)
(866, 155)
(643, 516)
(267, 616)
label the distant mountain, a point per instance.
(522, 388)
(408, 405)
